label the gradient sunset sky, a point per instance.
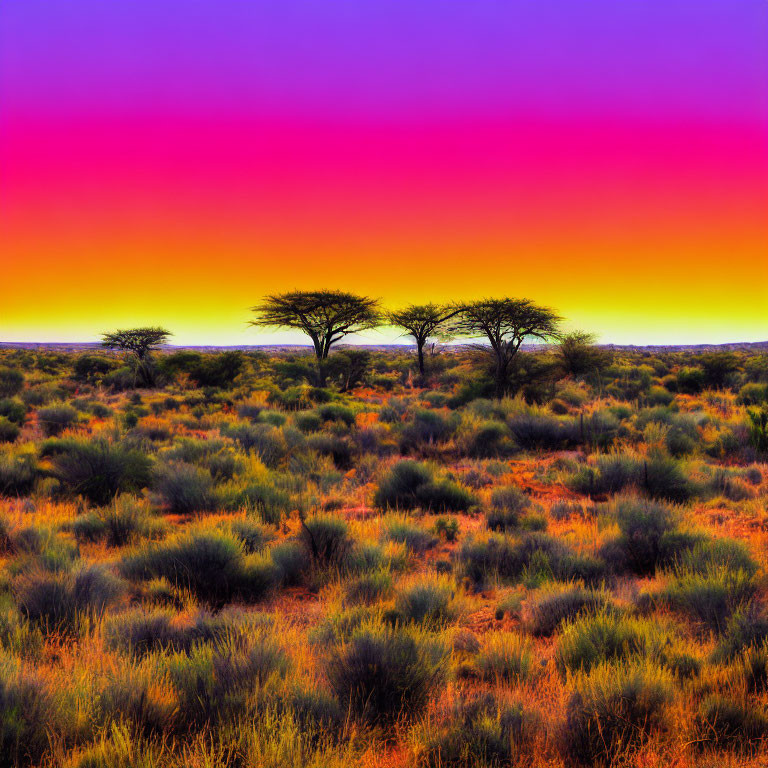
(171, 161)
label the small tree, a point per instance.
(325, 316)
(579, 356)
(139, 343)
(422, 321)
(506, 323)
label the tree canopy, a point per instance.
(140, 341)
(506, 323)
(325, 316)
(422, 321)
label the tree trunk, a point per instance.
(320, 372)
(501, 377)
(420, 350)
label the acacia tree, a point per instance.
(506, 323)
(139, 341)
(422, 321)
(325, 316)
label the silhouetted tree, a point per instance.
(422, 321)
(579, 356)
(506, 323)
(325, 316)
(139, 343)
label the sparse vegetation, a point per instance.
(212, 560)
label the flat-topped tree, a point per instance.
(139, 342)
(505, 323)
(325, 316)
(422, 321)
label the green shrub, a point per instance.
(185, 488)
(410, 485)
(383, 674)
(746, 628)
(265, 440)
(547, 611)
(216, 683)
(11, 381)
(591, 640)
(753, 393)
(326, 540)
(504, 656)
(712, 596)
(414, 537)
(758, 429)
(97, 469)
(18, 470)
(478, 730)
(140, 631)
(29, 712)
(487, 440)
(659, 476)
(541, 432)
(724, 724)
(122, 522)
(54, 419)
(429, 602)
(614, 711)
(210, 564)
(14, 411)
(427, 427)
(368, 588)
(9, 431)
(643, 525)
(507, 504)
(59, 600)
(534, 556)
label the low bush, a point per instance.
(746, 628)
(643, 525)
(218, 682)
(18, 470)
(410, 485)
(534, 556)
(11, 381)
(533, 431)
(430, 602)
(508, 502)
(487, 440)
(711, 596)
(478, 730)
(605, 637)
(368, 588)
(210, 564)
(97, 469)
(54, 419)
(185, 488)
(660, 477)
(60, 600)
(8, 430)
(326, 540)
(547, 611)
(614, 710)
(413, 536)
(29, 712)
(504, 656)
(722, 723)
(384, 674)
(124, 521)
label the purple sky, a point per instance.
(652, 57)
